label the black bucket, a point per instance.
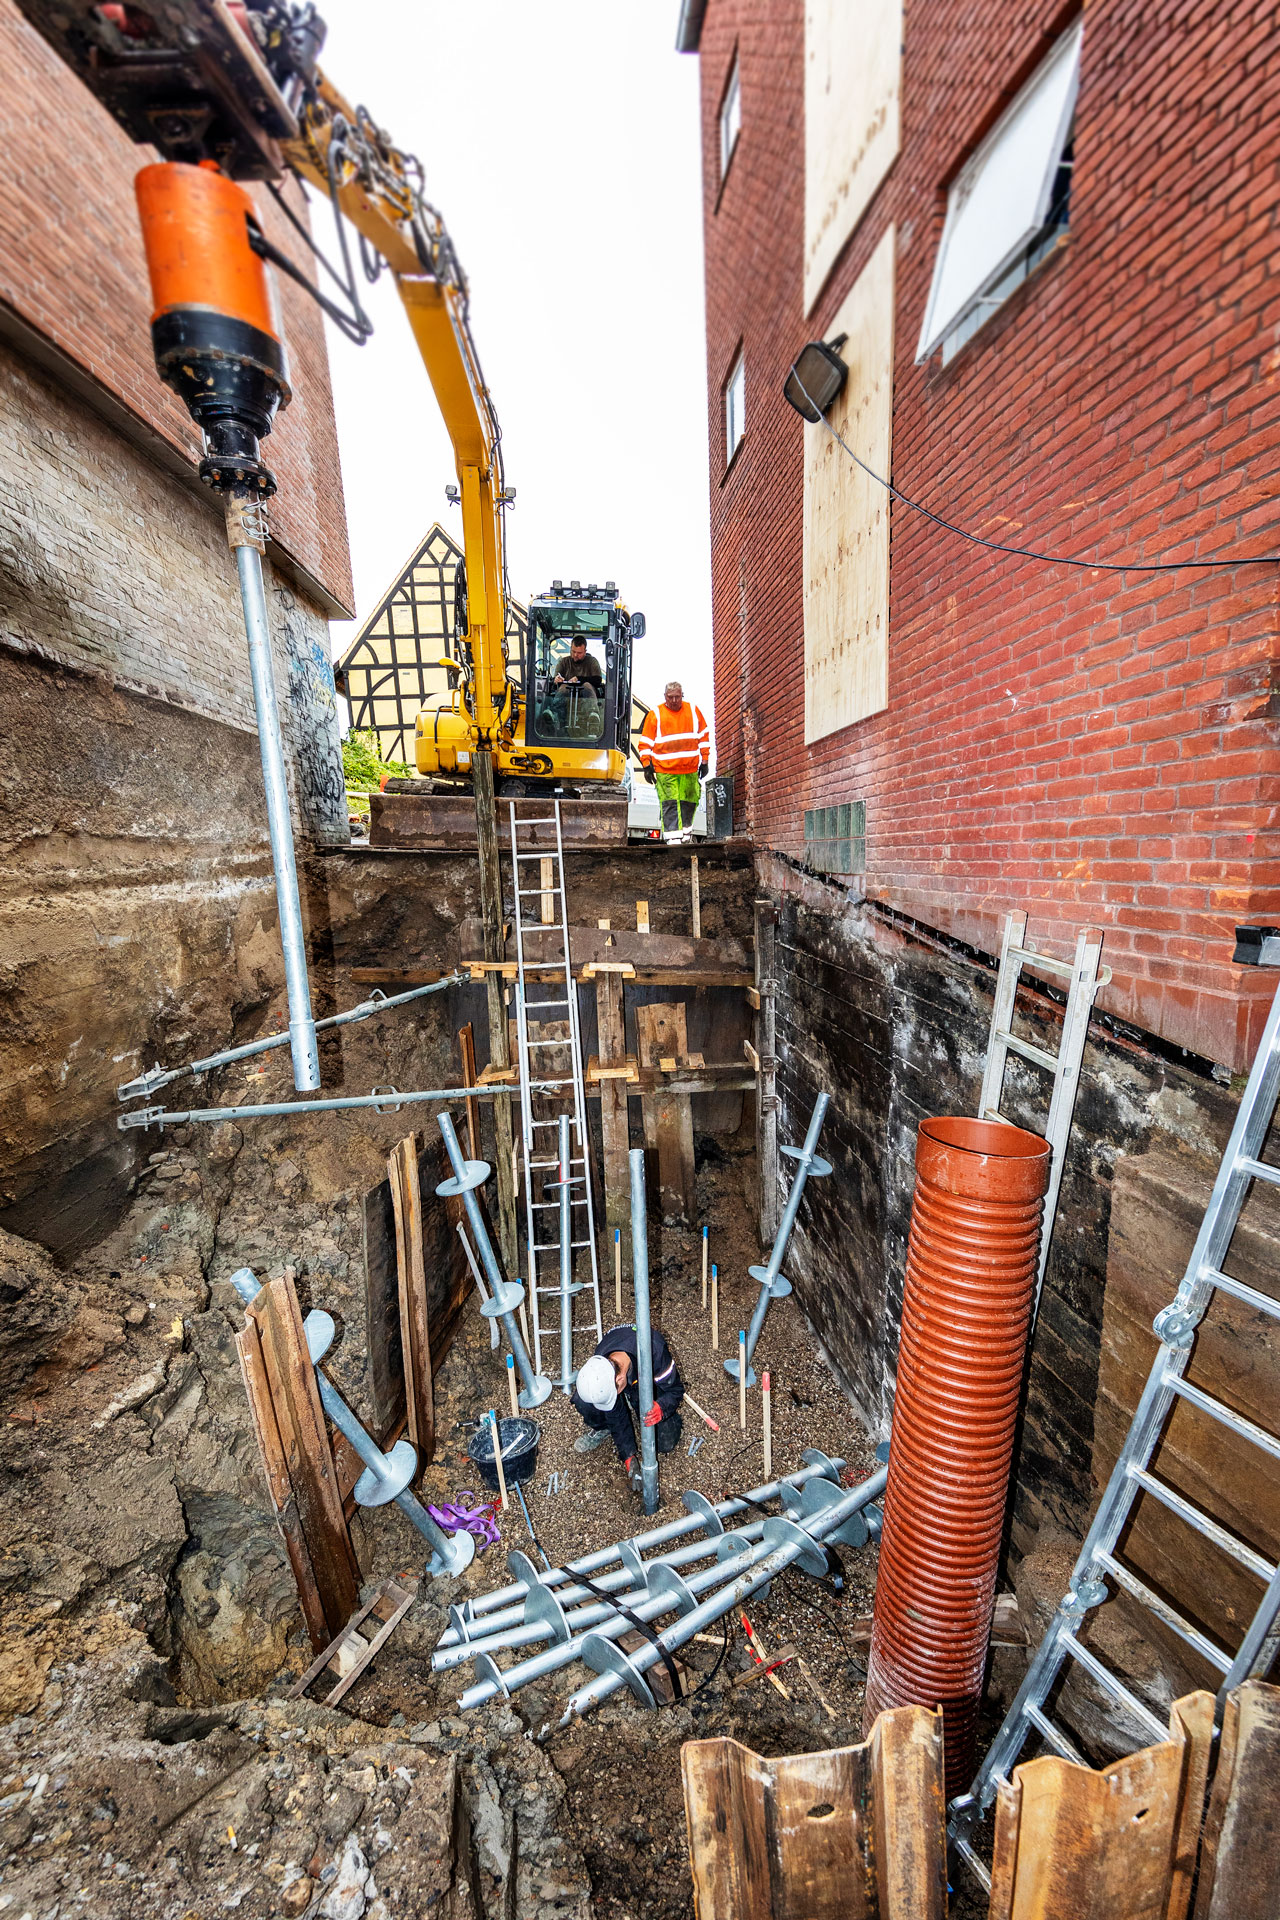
(519, 1440)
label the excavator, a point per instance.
(231, 91)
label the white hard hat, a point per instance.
(597, 1384)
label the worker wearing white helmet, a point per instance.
(607, 1392)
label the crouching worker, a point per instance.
(607, 1395)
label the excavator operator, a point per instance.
(577, 688)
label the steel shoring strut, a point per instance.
(378, 1002)
(382, 1099)
(817, 1467)
(746, 1571)
(772, 1284)
(387, 1475)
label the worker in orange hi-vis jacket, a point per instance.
(675, 752)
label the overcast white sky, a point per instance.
(560, 141)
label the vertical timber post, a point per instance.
(614, 1128)
(499, 1032)
(766, 915)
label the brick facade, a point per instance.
(1097, 748)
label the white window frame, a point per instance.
(735, 407)
(730, 116)
(1000, 199)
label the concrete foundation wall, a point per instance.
(894, 1025)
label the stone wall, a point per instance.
(135, 877)
(893, 1023)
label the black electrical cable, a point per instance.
(1030, 553)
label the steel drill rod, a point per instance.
(389, 1101)
(302, 1026)
(485, 1603)
(644, 1330)
(452, 1556)
(734, 1569)
(566, 1263)
(780, 1239)
(157, 1077)
(508, 1629)
(536, 1388)
(759, 1568)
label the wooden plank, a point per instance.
(547, 881)
(1075, 1844)
(752, 1055)
(467, 1055)
(594, 945)
(594, 968)
(855, 1833)
(279, 1486)
(766, 922)
(304, 1437)
(447, 821)
(753, 999)
(614, 1125)
(642, 916)
(396, 976)
(597, 1071)
(695, 899)
(1240, 1854)
(382, 1309)
(415, 1330)
(661, 1029)
(390, 1603)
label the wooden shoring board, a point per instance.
(1075, 1844)
(856, 1833)
(467, 1055)
(662, 1032)
(415, 1331)
(614, 1128)
(1240, 1852)
(390, 1604)
(294, 1442)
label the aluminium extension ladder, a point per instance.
(561, 1090)
(1085, 980)
(1099, 1562)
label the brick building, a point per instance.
(1102, 382)
(135, 873)
(1048, 241)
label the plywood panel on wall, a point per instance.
(846, 518)
(852, 84)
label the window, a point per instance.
(1007, 204)
(735, 397)
(835, 838)
(730, 118)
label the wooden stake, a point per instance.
(547, 869)
(715, 1309)
(642, 916)
(703, 1414)
(467, 1049)
(742, 1378)
(697, 897)
(480, 1286)
(704, 1269)
(511, 1383)
(617, 1271)
(767, 1429)
(497, 1457)
(757, 1647)
(524, 1329)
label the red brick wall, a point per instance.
(1099, 749)
(73, 268)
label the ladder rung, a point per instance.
(531, 893)
(519, 820)
(537, 856)
(1217, 1411)
(1027, 956)
(1028, 1052)
(1141, 1592)
(1106, 1678)
(1259, 1169)
(1262, 1302)
(1054, 1735)
(1203, 1524)
(531, 1006)
(566, 1042)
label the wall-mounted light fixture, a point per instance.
(817, 379)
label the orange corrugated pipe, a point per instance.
(971, 1271)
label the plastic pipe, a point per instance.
(644, 1332)
(302, 1026)
(970, 1280)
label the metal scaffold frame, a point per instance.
(556, 1001)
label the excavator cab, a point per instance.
(577, 669)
